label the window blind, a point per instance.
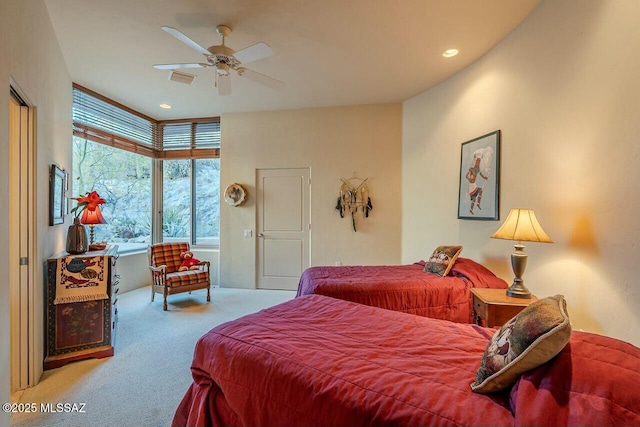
(190, 139)
(102, 120)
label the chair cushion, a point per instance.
(168, 254)
(186, 278)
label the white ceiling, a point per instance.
(328, 52)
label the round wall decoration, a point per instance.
(235, 194)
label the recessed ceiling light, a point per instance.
(165, 106)
(449, 53)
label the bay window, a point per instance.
(117, 152)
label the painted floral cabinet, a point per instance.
(81, 311)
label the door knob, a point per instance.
(260, 235)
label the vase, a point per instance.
(77, 241)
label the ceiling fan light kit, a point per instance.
(223, 59)
(222, 69)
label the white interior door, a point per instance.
(284, 227)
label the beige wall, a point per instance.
(334, 142)
(134, 272)
(30, 55)
(564, 89)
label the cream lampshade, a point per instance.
(523, 226)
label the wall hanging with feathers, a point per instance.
(354, 198)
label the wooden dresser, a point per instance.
(83, 329)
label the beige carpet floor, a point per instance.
(143, 383)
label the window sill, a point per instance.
(126, 249)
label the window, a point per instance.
(176, 200)
(115, 149)
(124, 180)
(191, 200)
(207, 201)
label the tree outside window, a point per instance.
(191, 215)
(123, 179)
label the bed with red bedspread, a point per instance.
(405, 288)
(322, 361)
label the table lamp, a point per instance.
(91, 218)
(521, 225)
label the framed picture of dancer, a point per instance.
(478, 192)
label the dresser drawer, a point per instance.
(480, 307)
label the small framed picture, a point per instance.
(67, 200)
(478, 193)
(56, 195)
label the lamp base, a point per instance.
(518, 263)
(77, 238)
(518, 290)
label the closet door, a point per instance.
(25, 367)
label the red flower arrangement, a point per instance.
(90, 201)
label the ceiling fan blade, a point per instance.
(186, 40)
(172, 66)
(253, 53)
(224, 84)
(260, 78)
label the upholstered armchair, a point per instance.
(164, 261)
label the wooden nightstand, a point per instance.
(495, 307)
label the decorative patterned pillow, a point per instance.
(533, 337)
(442, 260)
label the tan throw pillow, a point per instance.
(442, 260)
(533, 337)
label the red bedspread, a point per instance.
(405, 288)
(322, 361)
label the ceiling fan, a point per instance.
(224, 59)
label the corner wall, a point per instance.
(31, 56)
(563, 87)
(334, 142)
